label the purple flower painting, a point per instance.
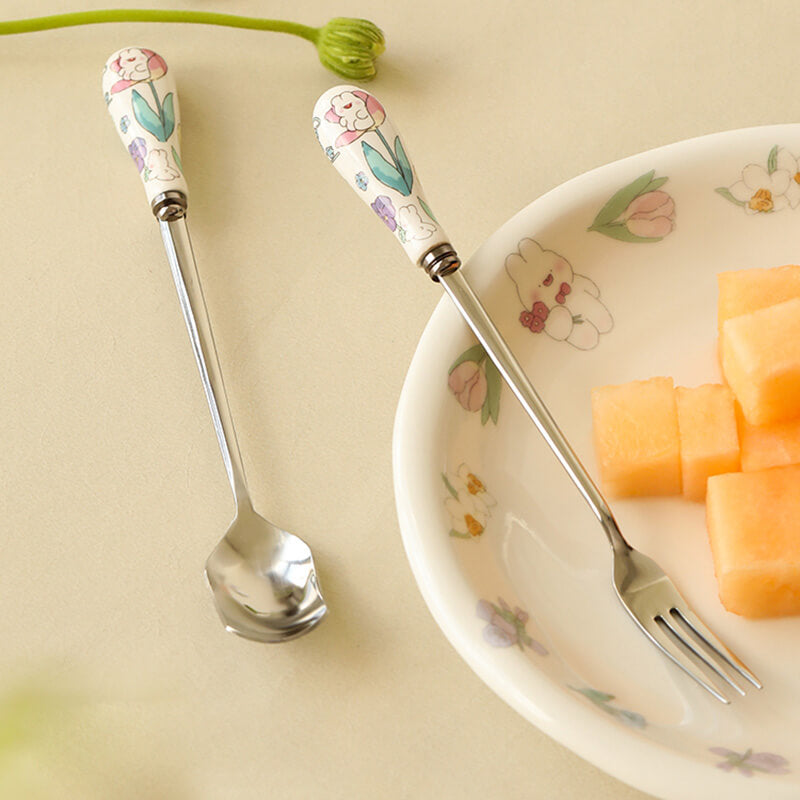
(506, 627)
(385, 210)
(749, 763)
(138, 150)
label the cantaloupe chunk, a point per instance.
(636, 438)
(746, 290)
(753, 520)
(764, 446)
(761, 362)
(708, 436)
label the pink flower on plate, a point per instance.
(357, 112)
(468, 383)
(136, 65)
(650, 215)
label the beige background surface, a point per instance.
(116, 678)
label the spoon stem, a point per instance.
(180, 255)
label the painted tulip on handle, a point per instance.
(140, 93)
(360, 141)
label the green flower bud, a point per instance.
(349, 47)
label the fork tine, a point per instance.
(682, 641)
(702, 632)
(671, 649)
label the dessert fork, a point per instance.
(356, 135)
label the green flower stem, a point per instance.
(156, 15)
(345, 46)
(389, 150)
(158, 104)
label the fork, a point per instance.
(356, 135)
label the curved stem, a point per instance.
(157, 15)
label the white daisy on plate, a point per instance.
(761, 191)
(468, 516)
(468, 481)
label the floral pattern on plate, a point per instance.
(476, 382)
(506, 626)
(749, 763)
(603, 700)
(765, 189)
(468, 503)
(639, 212)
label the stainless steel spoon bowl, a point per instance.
(262, 577)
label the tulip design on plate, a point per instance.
(468, 504)
(137, 66)
(476, 382)
(358, 112)
(506, 626)
(749, 763)
(764, 189)
(639, 212)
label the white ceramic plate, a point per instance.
(509, 559)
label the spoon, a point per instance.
(262, 577)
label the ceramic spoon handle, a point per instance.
(359, 139)
(140, 92)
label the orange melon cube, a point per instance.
(764, 446)
(761, 362)
(746, 290)
(708, 436)
(636, 438)
(753, 520)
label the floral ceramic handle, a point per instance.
(140, 94)
(361, 142)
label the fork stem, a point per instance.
(473, 311)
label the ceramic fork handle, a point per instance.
(139, 90)
(350, 124)
(362, 143)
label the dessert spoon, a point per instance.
(262, 577)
